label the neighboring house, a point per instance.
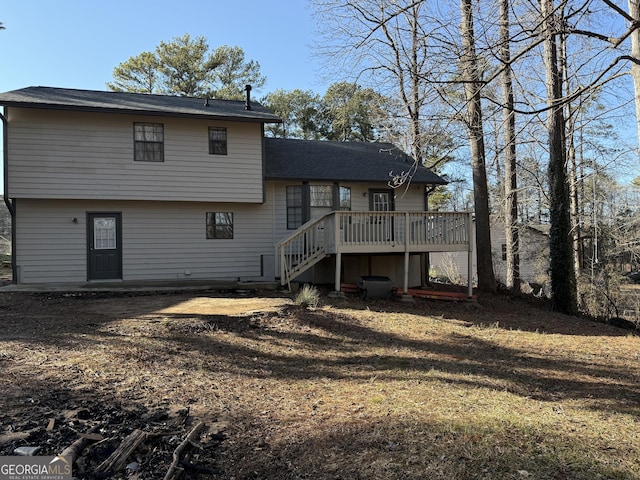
(107, 186)
(533, 251)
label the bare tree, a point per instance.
(634, 13)
(563, 281)
(472, 86)
(389, 46)
(510, 172)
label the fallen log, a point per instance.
(178, 451)
(74, 450)
(118, 458)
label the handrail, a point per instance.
(302, 227)
(302, 249)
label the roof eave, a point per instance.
(130, 111)
(351, 180)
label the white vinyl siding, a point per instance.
(160, 241)
(54, 154)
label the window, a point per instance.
(219, 225)
(294, 206)
(320, 200)
(217, 140)
(345, 198)
(504, 252)
(320, 195)
(148, 142)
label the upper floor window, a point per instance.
(217, 140)
(148, 142)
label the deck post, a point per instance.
(338, 268)
(405, 287)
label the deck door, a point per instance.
(382, 201)
(104, 246)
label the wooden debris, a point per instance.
(118, 458)
(436, 294)
(94, 437)
(73, 451)
(349, 288)
(51, 425)
(189, 439)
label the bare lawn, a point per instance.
(499, 389)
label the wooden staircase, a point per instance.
(302, 250)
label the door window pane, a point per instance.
(381, 202)
(104, 233)
(345, 198)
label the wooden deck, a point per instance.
(348, 232)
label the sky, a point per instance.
(77, 43)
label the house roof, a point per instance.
(289, 159)
(135, 103)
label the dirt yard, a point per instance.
(501, 389)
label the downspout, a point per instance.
(11, 206)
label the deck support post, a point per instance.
(338, 268)
(405, 287)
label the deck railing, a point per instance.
(301, 250)
(410, 230)
(371, 232)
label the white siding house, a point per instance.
(106, 186)
(533, 252)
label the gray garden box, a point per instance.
(375, 287)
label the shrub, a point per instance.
(308, 297)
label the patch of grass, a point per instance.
(307, 297)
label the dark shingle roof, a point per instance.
(138, 103)
(288, 159)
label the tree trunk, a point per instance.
(472, 85)
(634, 12)
(572, 164)
(510, 173)
(563, 281)
(415, 73)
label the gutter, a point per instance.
(11, 205)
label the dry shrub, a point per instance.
(308, 297)
(450, 270)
